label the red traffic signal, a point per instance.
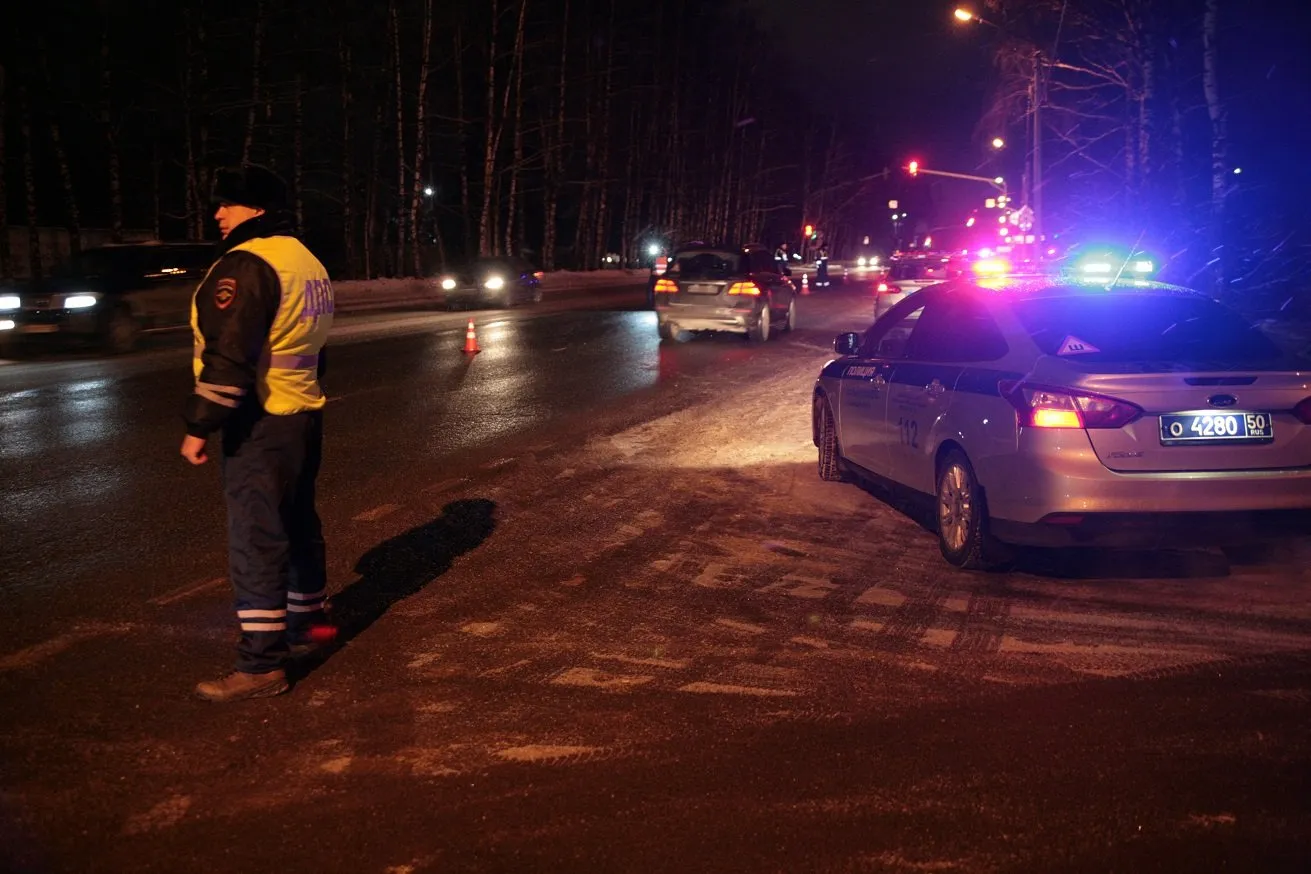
(914, 168)
(810, 231)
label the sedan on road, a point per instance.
(738, 290)
(108, 296)
(910, 273)
(1049, 412)
(491, 282)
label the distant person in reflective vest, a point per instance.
(781, 259)
(821, 266)
(260, 320)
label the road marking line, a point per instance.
(725, 689)
(39, 652)
(444, 485)
(376, 513)
(185, 592)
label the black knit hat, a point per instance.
(249, 185)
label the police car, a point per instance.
(1047, 411)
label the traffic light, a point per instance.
(810, 231)
(914, 168)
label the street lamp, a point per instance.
(1033, 179)
(998, 143)
(427, 191)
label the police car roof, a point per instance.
(1040, 285)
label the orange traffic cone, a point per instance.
(805, 284)
(471, 340)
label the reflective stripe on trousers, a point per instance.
(275, 538)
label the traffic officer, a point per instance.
(260, 319)
(781, 259)
(821, 266)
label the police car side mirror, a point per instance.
(846, 344)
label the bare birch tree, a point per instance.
(421, 140)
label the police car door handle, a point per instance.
(935, 388)
(878, 380)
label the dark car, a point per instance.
(491, 282)
(718, 288)
(109, 295)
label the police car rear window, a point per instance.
(1153, 332)
(706, 264)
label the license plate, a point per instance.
(699, 288)
(39, 329)
(1184, 428)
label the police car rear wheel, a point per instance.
(830, 454)
(963, 518)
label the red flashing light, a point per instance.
(914, 168)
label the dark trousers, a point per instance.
(275, 539)
(821, 273)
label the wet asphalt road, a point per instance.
(602, 616)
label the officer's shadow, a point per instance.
(398, 568)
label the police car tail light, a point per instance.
(1044, 407)
(747, 288)
(1303, 410)
(666, 286)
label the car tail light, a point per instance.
(883, 288)
(539, 275)
(1303, 410)
(666, 286)
(747, 288)
(1040, 406)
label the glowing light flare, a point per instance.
(448, 284)
(666, 286)
(992, 266)
(998, 143)
(749, 289)
(969, 222)
(963, 15)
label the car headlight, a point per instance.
(448, 284)
(494, 283)
(860, 262)
(80, 301)
(9, 302)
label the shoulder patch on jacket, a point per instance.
(225, 293)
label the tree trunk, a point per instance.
(462, 128)
(371, 202)
(1219, 144)
(4, 193)
(601, 240)
(512, 200)
(555, 154)
(489, 139)
(249, 142)
(420, 143)
(298, 152)
(72, 214)
(401, 199)
(154, 193)
(111, 138)
(29, 184)
(347, 180)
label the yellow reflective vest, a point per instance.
(287, 378)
